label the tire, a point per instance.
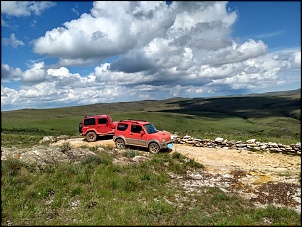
(154, 148)
(91, 136)
(120, 143)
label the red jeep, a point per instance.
(141, 133)
(98, 125)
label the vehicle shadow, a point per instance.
(106, 137)
(100, 138)
(145, 149)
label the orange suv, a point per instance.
(142, 134)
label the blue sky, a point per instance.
(59, 54)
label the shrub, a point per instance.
(66, 146)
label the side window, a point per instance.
(102, 121)
(89, 121)
(136, 128)
(122, 127)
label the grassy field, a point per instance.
(271, 117)
(97, 192)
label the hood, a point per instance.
(165, 135)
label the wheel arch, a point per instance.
(154, 141)
(91, 130)
(119, 137)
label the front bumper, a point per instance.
(166, 145)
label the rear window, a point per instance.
(122, 127)
(89, 121)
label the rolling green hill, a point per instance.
(274, 116)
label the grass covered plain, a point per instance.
(97, 192)
(270, 117)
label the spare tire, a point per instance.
(80, 128)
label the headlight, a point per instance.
(163, 140)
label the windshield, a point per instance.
(150, 128)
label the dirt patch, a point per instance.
(80, 142)
(225, 160)
(263, 178)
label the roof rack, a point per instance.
(135, 120)
(95, 115)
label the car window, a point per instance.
(102, 121)
(150, 128)
(122, 127)
(89, 121)
(136, 128)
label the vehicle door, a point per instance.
(135, 136)
(103, 126)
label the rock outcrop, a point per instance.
(251, 144)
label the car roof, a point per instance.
(135, 121)
(103, 115)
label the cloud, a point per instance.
(46, 88)
(75, 10)
(157, 51)
(3, 23)
(111, 29)
(9, 73)
(12, 41)
(24, 8)
(35, 74)
(268, 35)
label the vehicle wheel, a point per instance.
(154, 148)
(91, 136)
(120, 143)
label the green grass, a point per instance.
(280, 130)
(272, 117)
(97, 192)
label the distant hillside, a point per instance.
(272, 104)
(272, 116)
(282, 103)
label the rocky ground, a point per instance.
(262, 177)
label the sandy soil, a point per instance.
(226, 160)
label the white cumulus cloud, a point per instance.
(24, 8)
(13, 41)
(158, 51)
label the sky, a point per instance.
(73, 53)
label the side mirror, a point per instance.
(142, 132)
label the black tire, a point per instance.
(154, 148)
(91, 136)
(120, 143)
